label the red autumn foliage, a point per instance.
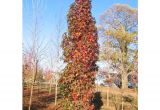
(80, 53)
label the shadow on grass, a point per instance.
(97, 101)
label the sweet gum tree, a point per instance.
(80, 53)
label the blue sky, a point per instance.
(52, 10)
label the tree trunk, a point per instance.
(50, 87)
(124, 77)
(124, 81)
(32, 85)
(56, 94)
(30, 99)
(122, 103)
(108, 98)
(122, 99)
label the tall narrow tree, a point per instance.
(80, 53)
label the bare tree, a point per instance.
(55, 53)
(36, 48)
